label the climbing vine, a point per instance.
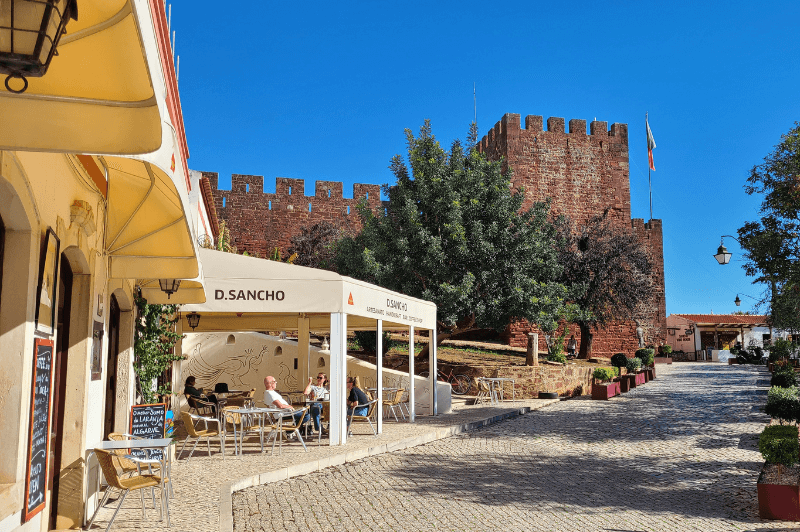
(154, 339)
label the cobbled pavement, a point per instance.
(677, 454)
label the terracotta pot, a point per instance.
(605, 391)
(776, 501)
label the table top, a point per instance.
(257, 410)
(134, 444)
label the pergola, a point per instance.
(250, 294)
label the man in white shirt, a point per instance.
(273, 398)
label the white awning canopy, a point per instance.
(246, 293)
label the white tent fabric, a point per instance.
(237, 284)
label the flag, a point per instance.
(651, 143)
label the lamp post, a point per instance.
(723, 256)
(30, 31)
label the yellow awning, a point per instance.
(147, 234)
(188, 292)
(98, 95)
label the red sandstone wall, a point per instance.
(260, 221)
(582, 175)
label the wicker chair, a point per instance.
(242, 426)
(128, 464)
(188, 423)
(393, 404)
(201, 406)
(241, 400)
(366, 418)
(291, 423)
(109, 463)
(484, 390)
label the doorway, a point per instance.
(59, 383)
(111, 366)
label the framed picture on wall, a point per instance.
(48, 284)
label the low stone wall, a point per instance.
(568, 380)
(680, 356)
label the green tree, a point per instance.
(314, 245)
(610, 269)
(154, 339)
(772, 244)
(454, 233)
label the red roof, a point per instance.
(728, 319)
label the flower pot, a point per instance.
(641, 377)
(633, 380)
(777, 501)
(624, 384)
(605, 391)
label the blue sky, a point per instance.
(324, 91)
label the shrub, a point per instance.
(604, 374)
(557, 357)
(633, 365)
(646, 355)
(619, 360)
(367, 341)
(666, 349)
(784, 378)
(780, 350)
(782, 403)
(778, 444)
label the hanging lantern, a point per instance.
(169, 286)
(193, 318)
(29, 35)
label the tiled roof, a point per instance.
(727, 319)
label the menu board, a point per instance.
(148, 421)
(39, 438)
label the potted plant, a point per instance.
(785, 378)
(619, 361)
(783, 404)
(634, 377)
(604, 387)
(647, 355)
(664, 355)
(778, 497)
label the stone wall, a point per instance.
(260, 222)
(582, 175)
(568, 380)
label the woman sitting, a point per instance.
(196, 397)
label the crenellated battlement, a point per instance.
(260, 221)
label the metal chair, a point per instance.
(189, 421)
(201, 406)
(368, 417)
(393, 404)
(109, 463)
(291, 422)
(243, 424)
(244, 400)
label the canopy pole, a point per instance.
(411, 397)
(303, 347)
(338, 425)
(434, 371)
(379, 376)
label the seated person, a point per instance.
(273, 398)
(356, 397)
(318, 391)
(197, 393)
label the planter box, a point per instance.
(641, 377)
(777, 501)
(624, 384)
(732, 361)
(605, 391)
(633, 380)
(663, 360)
(651, 373)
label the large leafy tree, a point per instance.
(454, 233)
(772, 243)
(613, 269)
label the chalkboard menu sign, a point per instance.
(148, 421)
(39, 440)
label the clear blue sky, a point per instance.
(313, 90)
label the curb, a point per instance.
(226, 490)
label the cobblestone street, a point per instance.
(678, 454)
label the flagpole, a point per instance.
(649, 180)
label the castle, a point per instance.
(582, 174)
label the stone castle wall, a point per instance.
(260, 222)
(582, 175)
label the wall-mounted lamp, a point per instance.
(32, 36)
(169, 286)
(193, 318)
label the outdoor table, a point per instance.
(246, 413)
(147, 445)
(498, 382)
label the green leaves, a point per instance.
(153, 341)
(454, 234)
(778, 444)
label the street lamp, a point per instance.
(739, 301)
(29, 34)
(723, 256)
(193, 318)
(169, 286)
